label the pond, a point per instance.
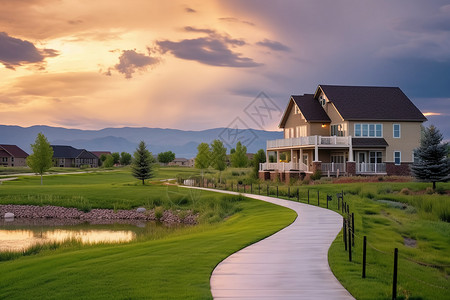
(21, 234)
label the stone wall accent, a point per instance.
(316, 165)
(351, 168)
(404, 169)
(264, 175)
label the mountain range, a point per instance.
(182, 142)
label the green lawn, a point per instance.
(175, 266)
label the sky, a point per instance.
(197, 65)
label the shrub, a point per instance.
(429, 190)
(405, 191)
(316, 175)
(159, 211)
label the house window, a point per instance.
(369, 130)
(4, 159)
(375, 157)
(397, 157)
(296, 109)
(338, 130)
(300, 131)
(397, 131)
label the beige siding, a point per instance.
(294, 120)
(408, 141)
(317, 129)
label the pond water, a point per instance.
(21, 234)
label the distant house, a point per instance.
(12, 156)
(182, 162)
(100, 153)
(68, 156)
(352, 130)
(191, 162)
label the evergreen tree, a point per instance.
(142, 164)
(239, 158)
(203, 158)
(218, 157)
(259, 157)
(41, 159)
(432, 163)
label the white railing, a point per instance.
(332, 168)
(309, 140)
(282, 166)
(370, 168)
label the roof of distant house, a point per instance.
(100, 153)
(60, 151)
(14, 151)
(371, 103)
(180, 159)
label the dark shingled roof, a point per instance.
(310, 108)
(372, 103)
(369, 142)
(14, 151)
(70, 152)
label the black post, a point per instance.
(251, 188)
(277, 191)
(289, 192)
(345, 233)
(267, 186)
(327, 201)
(349, 243)
(338, 202)
(342, 195)
(394, 282)
(298, 195)
(308, 196)
(364, 257)
(353, 229)
(318, 202)
(259, 189)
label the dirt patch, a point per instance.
(409, 242)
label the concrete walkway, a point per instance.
(291, 264)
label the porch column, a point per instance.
(300, 158)
(350, 149)
(267, 156)
(292, 155)
(316, 150)
(278, 159)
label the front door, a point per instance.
(361, 157)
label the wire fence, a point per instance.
(379, 264)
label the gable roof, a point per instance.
(309, 107)
(100, 153)
(14, 151)
(371, 103)
(70, 152)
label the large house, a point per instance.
(12, 156)
(68, 156)
(346, 130)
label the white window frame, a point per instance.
(399, 158)
(399, 131)
(367, 126)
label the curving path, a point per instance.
(291, 264)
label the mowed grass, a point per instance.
(175, 266)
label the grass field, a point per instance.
(175, 266)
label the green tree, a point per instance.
(125, 158)
(41, 159)
(203, 158)
(239, 158)
(116, 157)
(218, 157)
(166, 157)
(259, 157)
(109, 161)
(432, 164)
(142, 164)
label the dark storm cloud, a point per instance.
(16, 52)
(213, 49)
(130, 61)
(273, 45)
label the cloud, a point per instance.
(190, 10)
(16, 52)
(214, 49)
(130, 61)
(236, 20)
(273, 45)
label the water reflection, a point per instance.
(21, 234)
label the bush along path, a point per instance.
(291, 264)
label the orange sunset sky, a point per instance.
(197, 64)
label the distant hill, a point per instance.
(183, 143)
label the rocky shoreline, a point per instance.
(95, 215)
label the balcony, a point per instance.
(282, 166)
(314, 140)
(370, 168)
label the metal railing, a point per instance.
(332, 167)
(370, 168)
(283, 166)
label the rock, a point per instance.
(9, 215)
(140, 210)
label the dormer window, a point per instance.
(322, 100)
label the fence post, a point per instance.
(345, 232)
(364, 257)
(267, 186)
(289, 192)
(298, 195)
(394, 281)
(259, 189)
(318, 202)
(277, 191)
(251, 188)
(353, 229)
(349, 242)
